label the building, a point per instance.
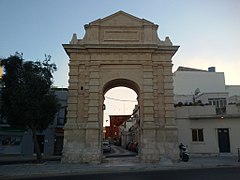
(206, 132)
(113, 131)
(207, 111)
(19, 141)
(129, 130)
(233, 93)
(189, 82)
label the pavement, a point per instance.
(17, 167)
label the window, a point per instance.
(197, 135)
(219, 103)
(10, 140)
(61, 116)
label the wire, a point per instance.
(115, 99)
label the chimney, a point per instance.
(212, 69)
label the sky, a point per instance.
(119, 101)
(207, 31)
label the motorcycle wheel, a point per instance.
(185, 158)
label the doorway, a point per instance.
(223, 140)
(40, 140)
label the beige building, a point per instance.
(120, 50)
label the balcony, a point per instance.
(207, 112)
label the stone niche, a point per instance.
(120, 50)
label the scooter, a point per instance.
(184, 156)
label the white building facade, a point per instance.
(207, 111)
(205, 132)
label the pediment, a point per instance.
(121, 18)
(121, 28)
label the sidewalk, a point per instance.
(20, 159)
(55, 167)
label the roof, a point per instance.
(121, 18)
(182, 68)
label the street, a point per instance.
(187, 174)
(118, 151)
(123, 164)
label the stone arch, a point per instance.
(121, 82)
(127, 83)
(120, 50)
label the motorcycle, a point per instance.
(184, 156)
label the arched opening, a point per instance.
(121, 118)
(108, 57)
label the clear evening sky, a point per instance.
(208, 31)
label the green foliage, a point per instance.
(27, 99)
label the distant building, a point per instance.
(129, 129)
(189, 82)
(207, 87)
(112, 132)
(233, 93)
(19, 141)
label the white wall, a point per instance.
(205, 96)
(233, 90)
(210, 144)
(186, 82)
(209, 126)
(185, 112)
(233, 109)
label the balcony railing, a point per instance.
(221, 110)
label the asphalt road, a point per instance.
(118, 151)
(187, 174)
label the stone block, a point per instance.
(73, 79)
(148, 89)
(148, 82)
(168, 86)
(71, 114)
(73, 86)
(94, 75)
(147, 75)
(168, 92)
(120, 50)
(168, 99)
(93, 103)
(168, 79)
(94, 82)
(169, 107)
(73, 71)
(148, 110)
(93, 109)
(72, 100)
(94, 88)
(72, 107)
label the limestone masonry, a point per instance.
(120, 50)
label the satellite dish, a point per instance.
(197, 91)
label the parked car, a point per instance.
(106, 146)
(132, 146)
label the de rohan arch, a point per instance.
(120, 50)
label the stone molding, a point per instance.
(120, 50)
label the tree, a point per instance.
(27, 99)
